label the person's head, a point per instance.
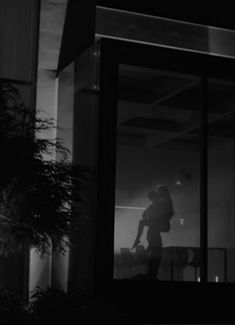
(164, 192)
(153, 195)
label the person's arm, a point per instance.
(167, 209)
(142, 223)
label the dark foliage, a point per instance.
(40, 197)
(53, 306)
(57, 307)
(12, 309)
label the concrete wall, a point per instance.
(18, 37)
(19, 25)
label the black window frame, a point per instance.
(113, 53)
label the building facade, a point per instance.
(145, 96)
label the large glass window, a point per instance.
(157, 202)
(221, 181)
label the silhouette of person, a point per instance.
(157, 218)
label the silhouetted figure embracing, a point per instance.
(157, 218)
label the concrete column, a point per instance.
(60, 261)
(40, 267)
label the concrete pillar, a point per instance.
(40, 267)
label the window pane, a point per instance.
(157, 175)
(221, 181)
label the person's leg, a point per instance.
(154, 262)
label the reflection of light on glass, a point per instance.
(216, 278)
(129, 207)
(178, 183)
(181, 222)
(198, 279)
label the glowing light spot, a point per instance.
(129, 207)
(181, 222)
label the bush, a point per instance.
(53, 306)
(56, 306)
(41, 199)
(11, 308)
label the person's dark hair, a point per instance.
(164, 191)
(152, 195)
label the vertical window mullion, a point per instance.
(203, 182)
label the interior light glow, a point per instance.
(181, 222)
(129, 207)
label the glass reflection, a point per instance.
(221, 181)
(157, 219)
(157, 176)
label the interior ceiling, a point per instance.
(163, 109)
(50, 35)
